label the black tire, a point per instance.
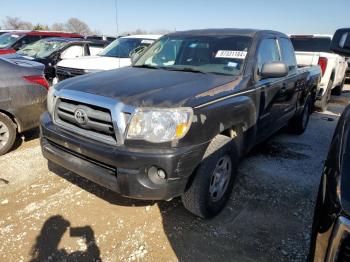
(338, 90)
(198, 199)
(8, 134)
(322, 104)
(299, 123)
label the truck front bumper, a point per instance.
(128, 171)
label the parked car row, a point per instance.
(13, 41)
(50, 51)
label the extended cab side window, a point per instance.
(288, 55)
(267, 52)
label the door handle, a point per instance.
(284, 88)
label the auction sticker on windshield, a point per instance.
(231, 54)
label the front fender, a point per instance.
(216, 117)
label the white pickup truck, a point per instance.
(115, 55)
(315, 50)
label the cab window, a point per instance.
(267, 52)
(287, 52)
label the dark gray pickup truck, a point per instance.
(177, 122)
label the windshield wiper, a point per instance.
(185, 69)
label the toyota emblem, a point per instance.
(81, 116)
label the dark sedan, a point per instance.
(331, 226)
(52, 50)
(23, 91)
(330, 239)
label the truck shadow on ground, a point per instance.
(191, 238)
(46, 246)
(184, 231)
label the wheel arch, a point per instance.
(13, 118)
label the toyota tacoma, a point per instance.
(178, 120)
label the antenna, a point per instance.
(116, 16)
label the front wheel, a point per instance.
(7, 134)
(213, 181)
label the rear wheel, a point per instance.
(299, 123)
(213, 181)
(7, 134)
(338, 90)
(323, 103)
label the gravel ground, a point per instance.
(54, 215)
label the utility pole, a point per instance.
(116, 16)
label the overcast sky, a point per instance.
(288, 16)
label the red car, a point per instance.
(13, 41)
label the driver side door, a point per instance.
(271, 89)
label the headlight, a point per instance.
(50, 99)
(160, 125)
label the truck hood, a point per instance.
(152, 87)
(95, 63)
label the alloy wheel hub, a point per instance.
(4, 134)
(220, 178)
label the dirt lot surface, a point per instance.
(57, 216)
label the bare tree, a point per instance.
(135, 32)
(58, 27)
(144, 32)
(16, 23)
(77, 26)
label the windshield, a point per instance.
(311, 44)
(8, 39)
(125, 47)
(41, 49)
(205, 54)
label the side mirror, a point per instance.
(136, 53)
(134, 57)
(341, 42)
(274, 70)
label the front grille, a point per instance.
(97, 122)
(344, 251)
(67, 72)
